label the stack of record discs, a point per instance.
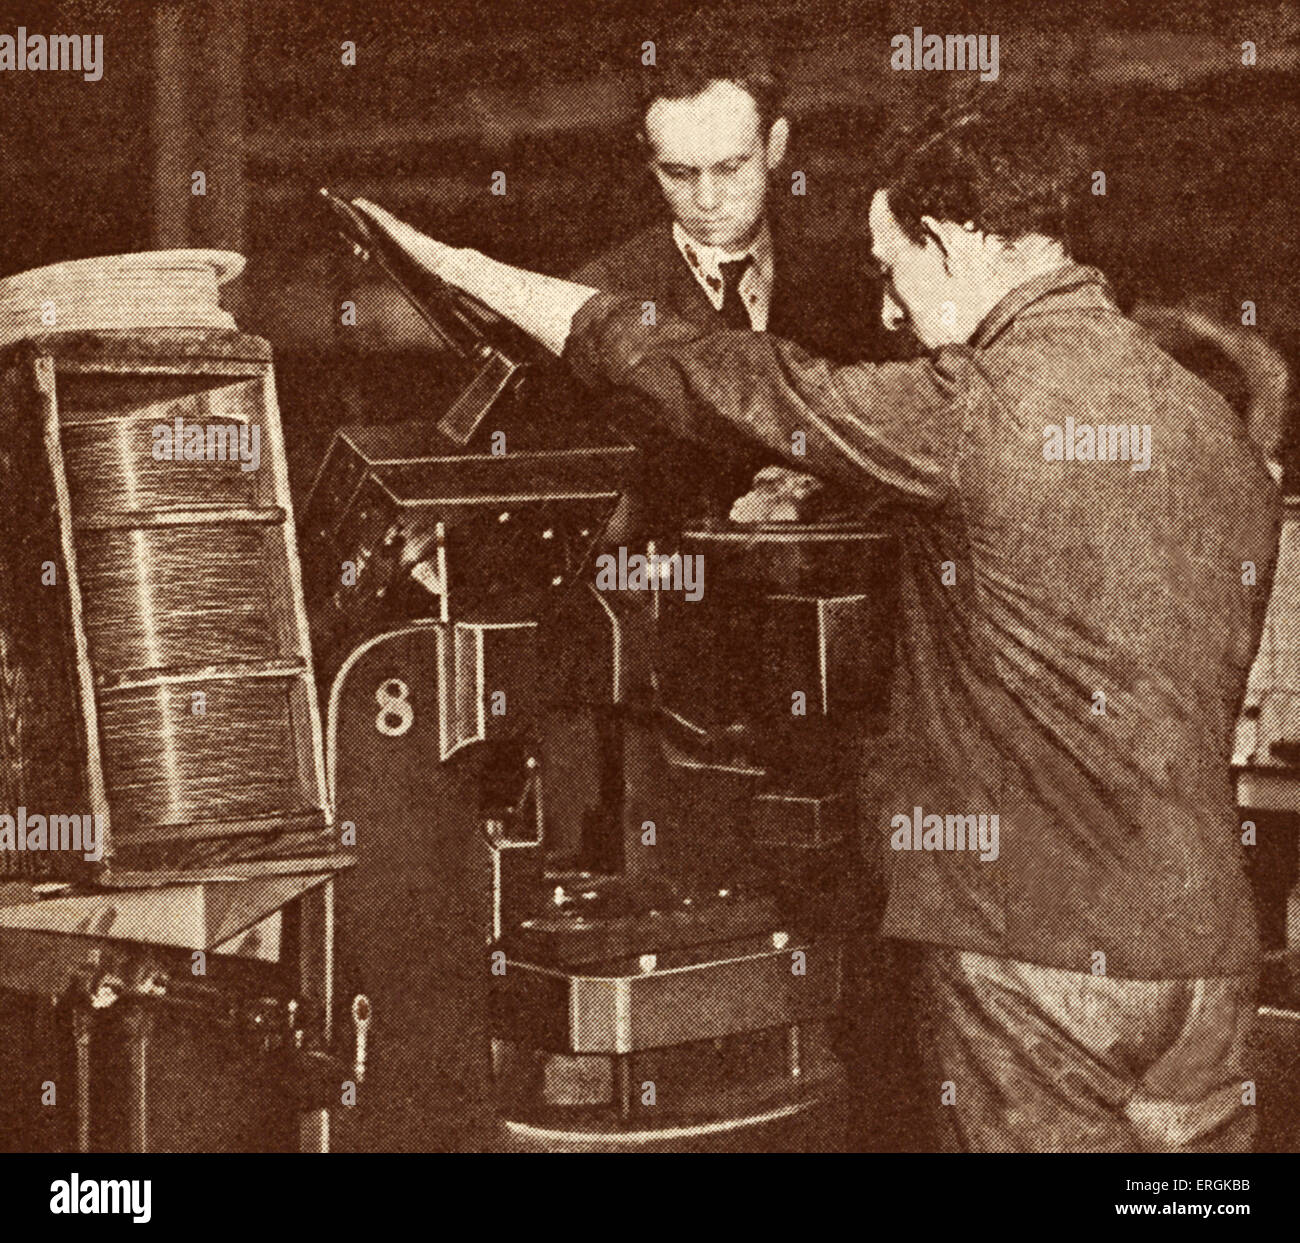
(152, 289)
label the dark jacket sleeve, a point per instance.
(894, 426)
(595, 273)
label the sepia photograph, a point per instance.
(628, 577)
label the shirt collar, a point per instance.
(704, 260)
(1061, 279)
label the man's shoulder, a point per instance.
(634, 265)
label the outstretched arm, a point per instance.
(543, 306)
(893, 427)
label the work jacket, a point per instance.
(1073, 634)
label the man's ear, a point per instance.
(778, 139)
(952, 237)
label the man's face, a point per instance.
(711, 159)
(938, 289)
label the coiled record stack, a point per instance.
(155, 666)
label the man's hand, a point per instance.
(778, 494)
(434, 256)
(542, 306)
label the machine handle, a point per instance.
(361, 1015)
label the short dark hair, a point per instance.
(1010, 168)
(689, 60)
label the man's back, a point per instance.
(1074, 634)
(1081, 675)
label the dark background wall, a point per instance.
(1199, 150)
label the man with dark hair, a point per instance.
(697, 56)
(1087, 541)
(956, 169)
(711, 123)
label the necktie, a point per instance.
(734, 312)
